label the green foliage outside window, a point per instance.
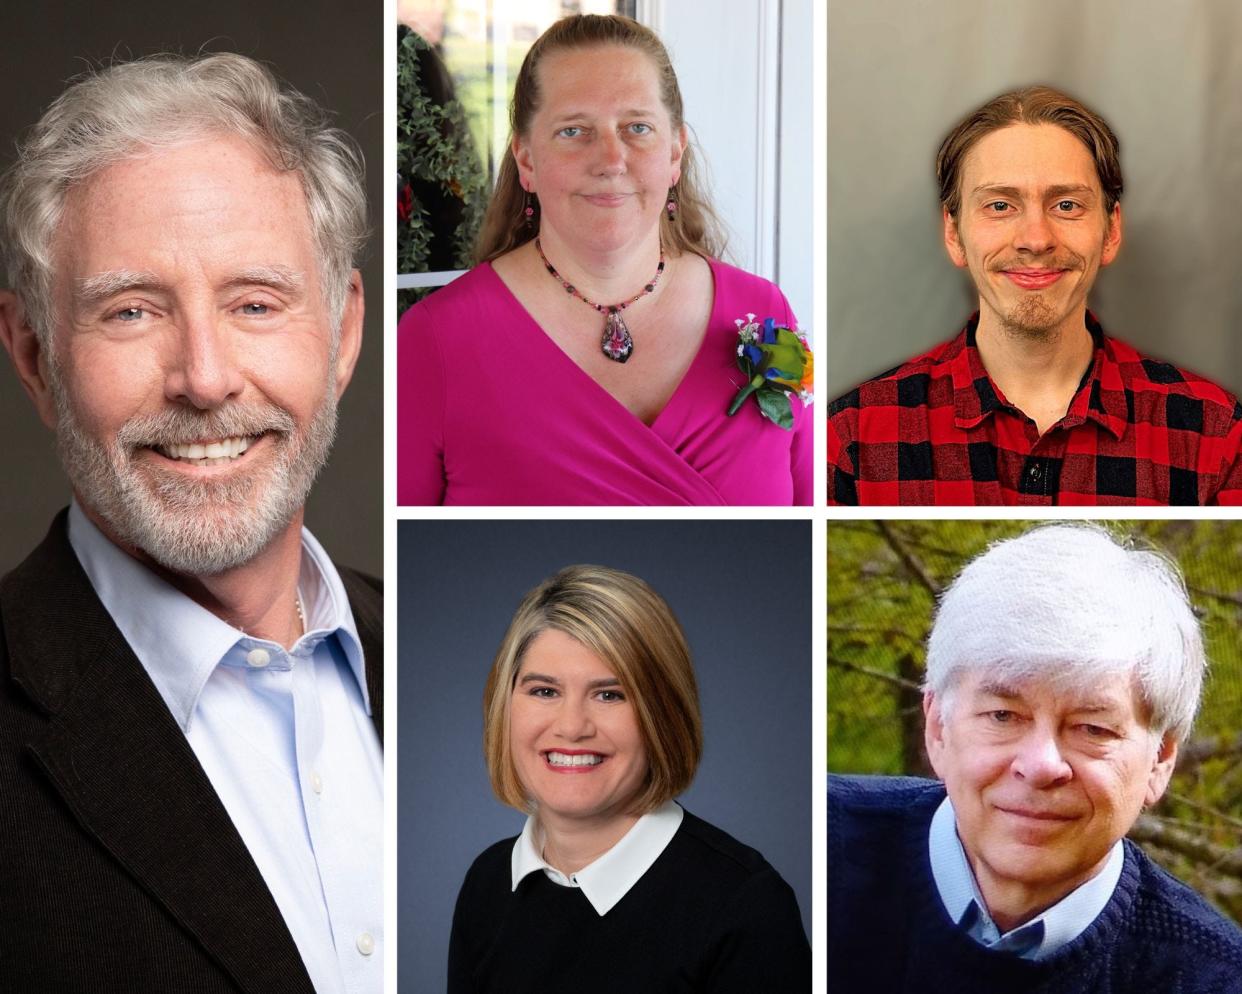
(442, 187)
(883, 580)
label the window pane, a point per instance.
(457, 63)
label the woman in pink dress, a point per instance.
(592, 355)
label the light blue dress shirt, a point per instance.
(1042, 935)
(285, 738)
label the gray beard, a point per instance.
(196, 528)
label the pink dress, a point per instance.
(491, 411)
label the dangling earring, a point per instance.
(671, 206)
(529, 211)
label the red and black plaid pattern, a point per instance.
(937, 430)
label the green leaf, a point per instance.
(775, 407)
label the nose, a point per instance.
(610, 152)
(202, 372)
(573, 721)
(1039, 761)
(1035, 234)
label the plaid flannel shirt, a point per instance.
(937, 430)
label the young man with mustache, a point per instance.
(1063, 672)
(1032, 403)
(190, 690)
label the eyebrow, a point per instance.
(91, 290)
(1001, 690)
(1058, 190)
(525, 678)
(577, 115)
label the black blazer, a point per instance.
(120, 869)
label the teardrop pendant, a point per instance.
(616, 343)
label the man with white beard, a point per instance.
(190, 690)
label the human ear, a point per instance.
(679, 150)
(1112, 237)
(933, 730)
(1161, 769)
(525, 163)
(350, 336)
(952, 240)
(29, 360)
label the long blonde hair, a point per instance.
(696, 229)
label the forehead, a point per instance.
(555, 653)
(1061, 691)
(597, 78)
(1029, 157)
(216, 202)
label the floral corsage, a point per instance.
(778, 363)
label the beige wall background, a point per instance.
(1166, 75)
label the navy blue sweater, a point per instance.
(888, 930)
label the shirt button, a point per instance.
(258, 658)
(366, 944)
(316, 783)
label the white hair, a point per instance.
(133, 109)
(1069, 603)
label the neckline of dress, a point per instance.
(713, 267)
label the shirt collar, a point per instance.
(608, 879)
(1100, 396)
(180, 643)
(1036, 939)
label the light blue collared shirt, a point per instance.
(285, 738)
(1042, 935)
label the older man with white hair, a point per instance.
(1063, 671)
(190, 690)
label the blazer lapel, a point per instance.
(366, 601)
(124, 768)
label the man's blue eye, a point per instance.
(254, 309)
(129, 314)
(570, 132)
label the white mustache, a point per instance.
(181, 426)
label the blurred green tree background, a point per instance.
(883, 581)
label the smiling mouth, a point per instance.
(606, 199)
(1033, 279)
(1034, 815)
(572, 760)
(217, 452)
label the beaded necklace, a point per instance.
(616, 343)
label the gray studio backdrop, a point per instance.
(1165, 75)
(742, 592)
(330, 51)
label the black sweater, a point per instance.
(709, 915)
(888, 930)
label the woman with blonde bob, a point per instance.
(591, 356)
(591, 727)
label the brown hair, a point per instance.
(631, 628)
(1030, 105)
(504, 227)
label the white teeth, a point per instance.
(207, 453)
(581, 759)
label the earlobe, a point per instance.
(679, 151)
(26, 351)
(952, 240)
(350, 343)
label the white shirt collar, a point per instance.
(180, 643)
(1063, 922)
(608, 879)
